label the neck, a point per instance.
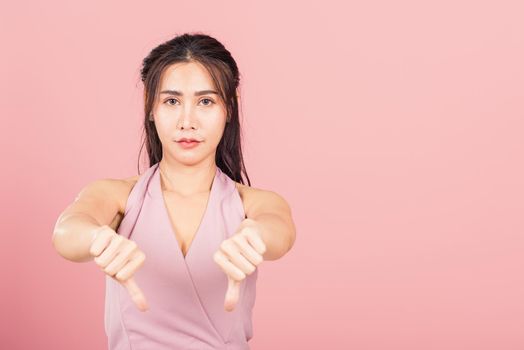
(186, 180)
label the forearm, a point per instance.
(278, 235)
(72, 236)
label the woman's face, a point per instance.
(187, 107)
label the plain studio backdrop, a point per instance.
(393, 128)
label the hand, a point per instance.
(239, 255)
(119, 258)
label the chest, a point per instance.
(192, 287)
(185, 216)
(187, 213)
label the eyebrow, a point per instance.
(197, 93)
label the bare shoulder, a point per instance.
(257, 200)
(258, 203)
(125, 187)
(246, 192)
(103, 199)
(131, 180)
(118, 189)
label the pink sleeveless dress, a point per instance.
(185, 294)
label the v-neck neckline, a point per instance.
(172, 230)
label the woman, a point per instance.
(180, 243)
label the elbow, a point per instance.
(284, 248)
(60, 243)
(293, 238)
(57, 241)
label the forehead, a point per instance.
(186, 76)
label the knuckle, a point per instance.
(139, 264)
(109, 272)
(100, 262)
(236, 277)
(121, 276)
(241, 276)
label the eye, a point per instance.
(204, 99)
(208, 99)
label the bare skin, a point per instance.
(188, 106)
(185, 211)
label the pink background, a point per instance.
(393, 128)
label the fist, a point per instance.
(238, 257)
(119, 258)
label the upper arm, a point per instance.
(261, 202)
(103, 200)
(266, 202)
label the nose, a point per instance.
(187, 118)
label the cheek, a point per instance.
(214, 127)
(162, 129)
(218, 132)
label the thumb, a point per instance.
(232, 294)
(136, 294)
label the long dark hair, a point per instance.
(224, 71)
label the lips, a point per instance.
(184, 139)
(188, 144)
